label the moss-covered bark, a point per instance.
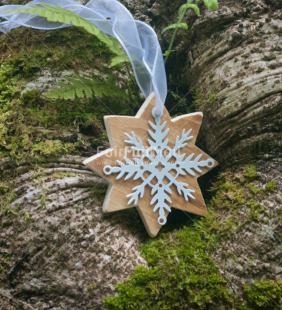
(49, 201)
(57, 250)
(182, 273)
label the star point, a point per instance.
(153, 164)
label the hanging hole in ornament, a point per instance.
(107, 170)
(210, 163)
(162, 220)
(156, 114)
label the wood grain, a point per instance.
(116, 127)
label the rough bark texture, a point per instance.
(233, 64)
(254, 252)
(68, 255)
(240, 64)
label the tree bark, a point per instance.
(239, 64)
(67, 254)
(231, 59)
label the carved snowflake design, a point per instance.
(158, 163)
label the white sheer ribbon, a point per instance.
(138, 39)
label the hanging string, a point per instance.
(138, 39)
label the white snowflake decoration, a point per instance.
(158, 161)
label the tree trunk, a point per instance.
(231, 60)
(58, 251)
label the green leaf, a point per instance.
(186, 6)
(83, 87)
(211, 4)
(175, 26)
(60, 15)
(117, 60)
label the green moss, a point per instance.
(43, 198)
(99, 193)
(201, 98)
(4, 188)
(251, 173)
(9, 88)
(30, 124)
(27, 217)
(91, 287)
(18, 2)
(213, 98)
(62, 175)
(6, 261)
(235, 194)
(254, 189)
(181, 274)
(6, 200)
(51, 148)
(264, 294)
(270, 187)
(31, 50)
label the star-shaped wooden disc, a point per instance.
(117, 195)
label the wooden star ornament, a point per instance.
(153, 164)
